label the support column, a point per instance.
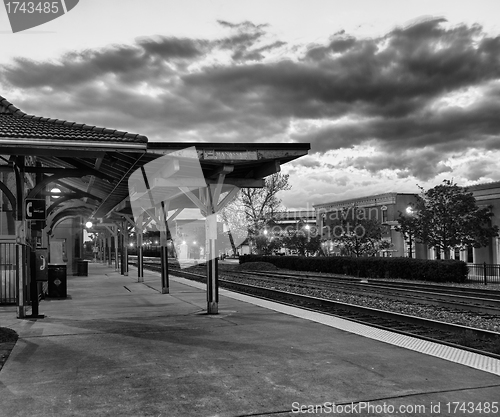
(140, 254)
(212, 278)
(212, 265)
(110, 260)
(21, 280)
(116, 248)
(21, 230)
(125, 249)
(165, 285)
(122, 249)
(103, 252)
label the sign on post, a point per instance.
(35, 209)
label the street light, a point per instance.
(308, 228)
(411, 213)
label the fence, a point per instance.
(484, 273)
(8, 273)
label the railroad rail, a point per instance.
(483, 302)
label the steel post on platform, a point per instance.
(125, 250)
(140, 252)
(212, 278)
(21, 232)
(110, 252)
(21, 280)
(122, 250)
(165, 285)
(104, 249)
(116, 249)
(140, 255)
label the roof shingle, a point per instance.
(16, 124)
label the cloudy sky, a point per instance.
(389, 94)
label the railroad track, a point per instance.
(476, 340)
(483, 302)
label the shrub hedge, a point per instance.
(372, 267)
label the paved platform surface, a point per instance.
(116, 347)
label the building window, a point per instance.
(470, 254)
(457, 254)
(437, 253)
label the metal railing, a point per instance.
(8, 273)
(484, 273)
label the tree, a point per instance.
(302, 242)
(267, 245)
(252, 208)
(233, 216)
(357, 235)
(447, 216)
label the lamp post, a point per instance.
(411, 213)
(308, 228)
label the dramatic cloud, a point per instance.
(418, 96)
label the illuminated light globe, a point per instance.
(54, 192)
(88, 225)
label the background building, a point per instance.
(487, 195)
(384, 208)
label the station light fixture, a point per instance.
(54, 192)
(88, 225)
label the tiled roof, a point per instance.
(16, 124)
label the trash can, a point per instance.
(57, 287)
(82, 268)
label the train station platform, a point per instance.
(116, 347)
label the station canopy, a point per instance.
(91, 165)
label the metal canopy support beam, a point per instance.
(227, 199)
(78, 191)
(64, 173)
(270, 168)
(240, 182)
